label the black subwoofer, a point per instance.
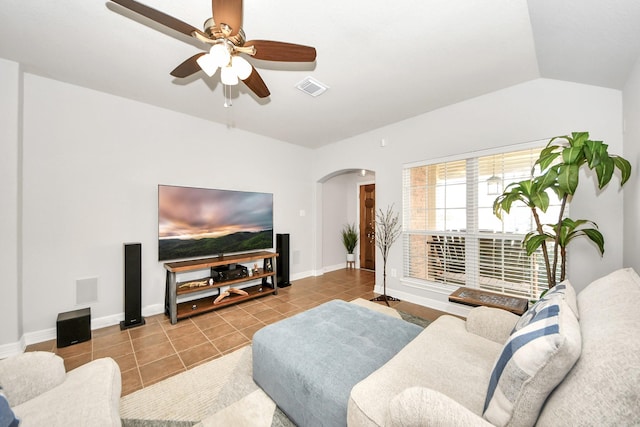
(132, 286)
(73, 327)
(282, 261)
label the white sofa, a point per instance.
(41, 393)
(442, 377)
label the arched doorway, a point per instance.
(338, 203)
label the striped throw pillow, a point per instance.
(534, 360)
(568, 292)
(7, 417)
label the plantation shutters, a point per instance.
(451, 235)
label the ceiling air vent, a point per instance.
(312, 87)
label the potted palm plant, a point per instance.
(350, 240)
(559, 165)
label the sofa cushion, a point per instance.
(538, 355)
(89, 396)
(602, 388)
(422, 406)
(30, 374)
(7, 417)
(445, 357)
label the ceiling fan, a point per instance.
(227, 39)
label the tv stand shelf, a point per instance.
(189, 308)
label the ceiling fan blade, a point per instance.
(228, 12)
(256, 84)
(281, 51)
(159, 17)
(188, 67)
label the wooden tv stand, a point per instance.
(180, 310)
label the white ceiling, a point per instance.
(384, 61)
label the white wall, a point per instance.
(91, 166)
(535, 110)
(10, 101)
(631, 96)
(336, 193)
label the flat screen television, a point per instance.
(201, 222)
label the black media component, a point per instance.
(73, 327)
(224, 273)
(132, 286)
(282, 261)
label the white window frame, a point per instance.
(472, 236)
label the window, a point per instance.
(451, 235)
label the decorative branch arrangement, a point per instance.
(388, 229)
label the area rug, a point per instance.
(217, 393)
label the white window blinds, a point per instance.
(451, 235)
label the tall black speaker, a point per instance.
(132, 286)
(282, 261)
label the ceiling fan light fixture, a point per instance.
(229, 76)
(241, 67)
(208, 64)
(220, 54)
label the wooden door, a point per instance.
(368, 226)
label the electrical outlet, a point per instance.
(394, 272)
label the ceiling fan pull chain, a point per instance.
(226, 89)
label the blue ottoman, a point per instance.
(309, 363)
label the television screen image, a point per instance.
(201, 222)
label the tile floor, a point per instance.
(150, 353)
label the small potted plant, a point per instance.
(350, 240)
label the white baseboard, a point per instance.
(13, 348)
(432, 296)
(35, 337)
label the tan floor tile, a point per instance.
(182, 328)
(49, 346)
(130, 381)
(72, 362)
(243, 320)
(160, 369)
(196, 354)
(162, 349)
(149, 340)
(126, 362)
(248, 332)
(148, 329)
(189, 340)
(75, 349)
(230, 341)
(152, 353)
(114, 351)
(113, 329)
(110, 340)
(218, 331)
(208, 320)
(267, 314)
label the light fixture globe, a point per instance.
(241, 67)
(207, 64)
(228, 76)
(220, 54)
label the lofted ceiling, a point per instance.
(383, 61)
